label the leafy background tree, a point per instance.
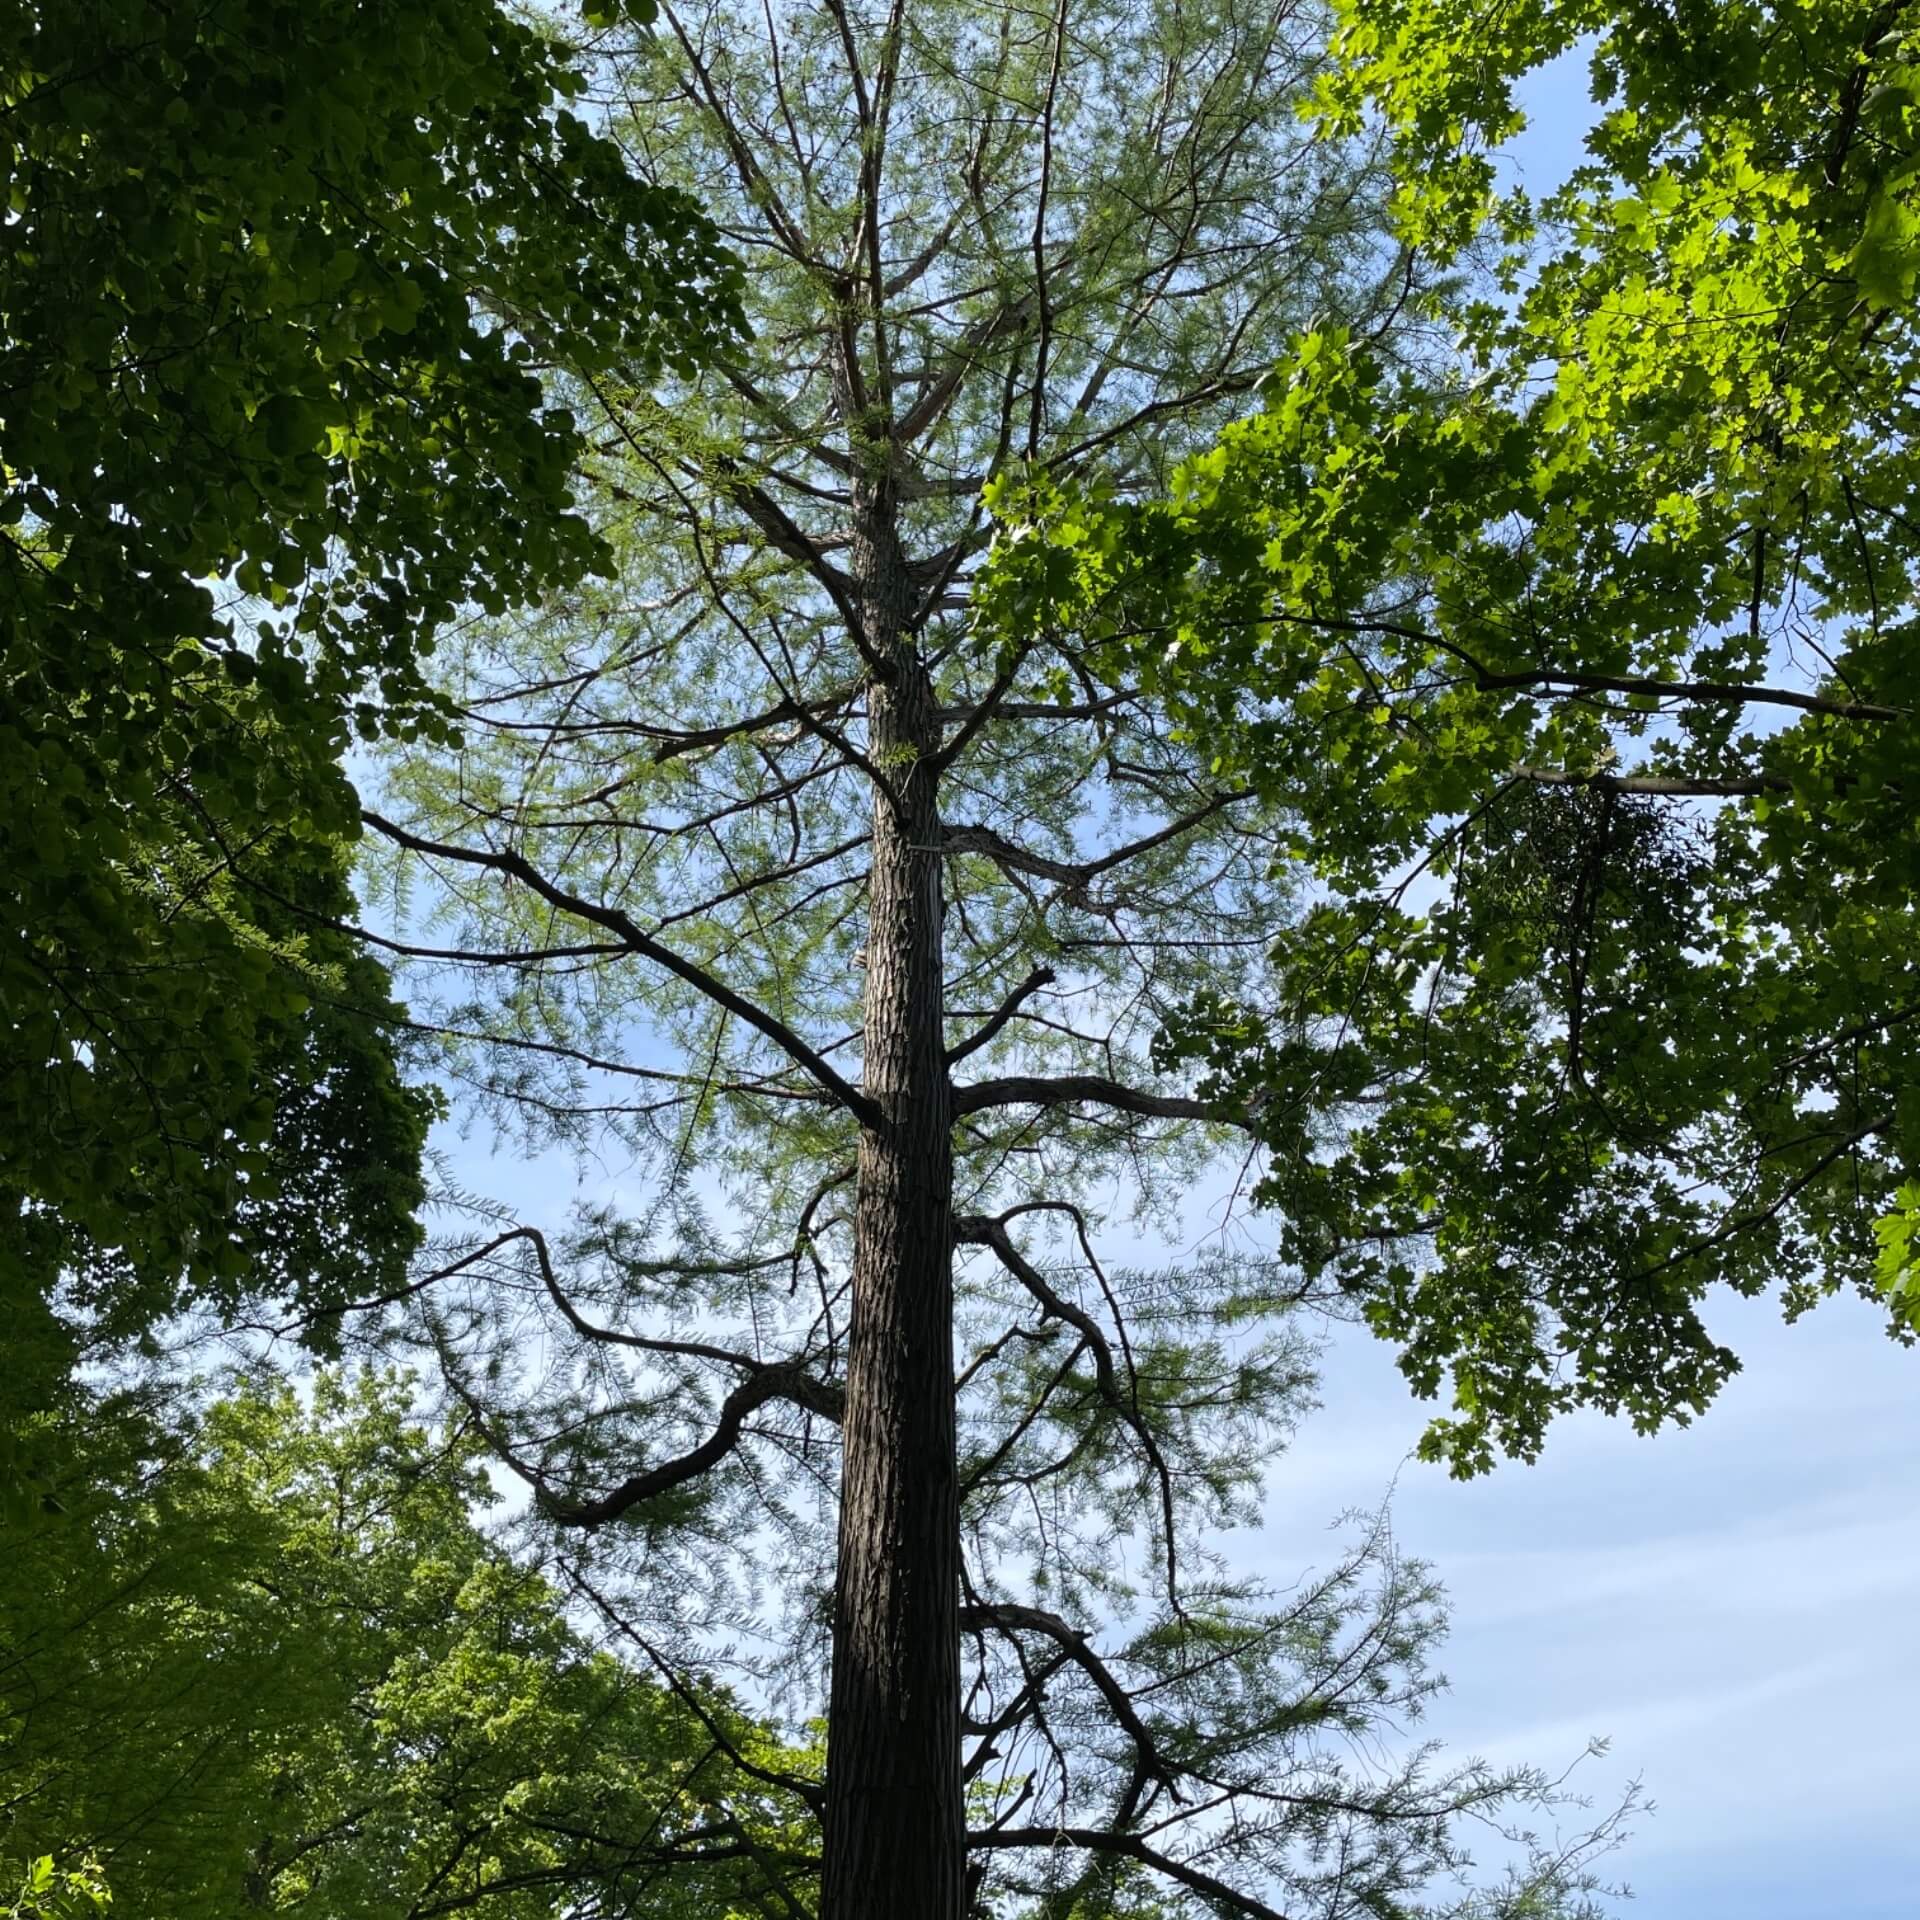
(1586, 661)
(51, 1889)
(270, 1661)
(277, 285)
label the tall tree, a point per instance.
(756, 867)
(1589, 663)
(268, 1661)
(276, 283)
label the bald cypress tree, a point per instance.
(849, 937)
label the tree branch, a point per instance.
(1676, 786)
(516, 867)
(673, 744)
(1038, 978)
(1070, 1089)
(1132, 1847)
(830, 1402)
(1708, 692)
(1010, 1618)
(786, 1381)
(1073, 875)
(982, 1230)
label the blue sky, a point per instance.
(1726, 1603)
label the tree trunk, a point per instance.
(895, 1824)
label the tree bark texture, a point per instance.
(895, 1825)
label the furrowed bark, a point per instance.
(895, 1829)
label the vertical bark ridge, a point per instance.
(895, 1829)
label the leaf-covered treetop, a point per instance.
(268, 1660)
(279, 281)
(1586, 654)
(275, 292)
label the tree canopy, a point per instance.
(268, 1660)
(279, 286)
(1583, 654)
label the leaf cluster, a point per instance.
(279, 288)
(1585, 657)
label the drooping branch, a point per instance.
(691, 1084)
(982, 1230)
(386, 943)
(1010, 1618)
(413, 1288)
(1129, 1846)
(516, 867)
(829, 1398)
(808, 1792)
